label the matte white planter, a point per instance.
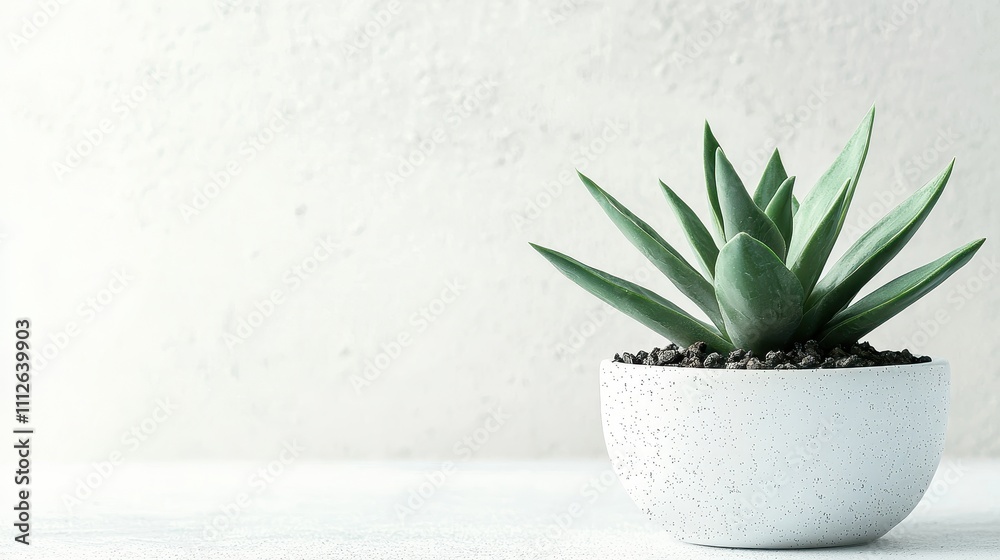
(775, 458)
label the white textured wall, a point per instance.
(495, 103)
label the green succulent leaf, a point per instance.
(761, 300)
(779, 209)
(869, 254)
(711, 146)
(698, 236)
(774, 175)
(869, 312)
(637, 302)
(823, 196)
(795, 205)
(663, 256)
(808, 263)
(739, 213)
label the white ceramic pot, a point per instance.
(775, 458)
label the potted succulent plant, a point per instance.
(772, 426)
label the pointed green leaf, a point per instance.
(711, 145)
(808, 263)
(869, 312)
(774, 175)
(818, 201)
(761, 300)
(701, 241)
(664, 257)
(779, 209)
(869, 254)
(739, 213)
(641, 304)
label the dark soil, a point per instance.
(806, 355)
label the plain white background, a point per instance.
(241, 224)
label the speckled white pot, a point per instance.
(775, 458)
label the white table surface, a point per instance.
(481, 510)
